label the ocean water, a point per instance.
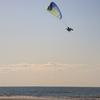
(50, 91)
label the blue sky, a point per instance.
(29, 34)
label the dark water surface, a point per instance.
(50, 91)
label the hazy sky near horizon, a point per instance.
(33, 41)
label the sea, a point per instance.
(51, 91)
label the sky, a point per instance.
(36, 50)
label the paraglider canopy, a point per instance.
(54, 10)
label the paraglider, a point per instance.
(69, 29)
(55, 11)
